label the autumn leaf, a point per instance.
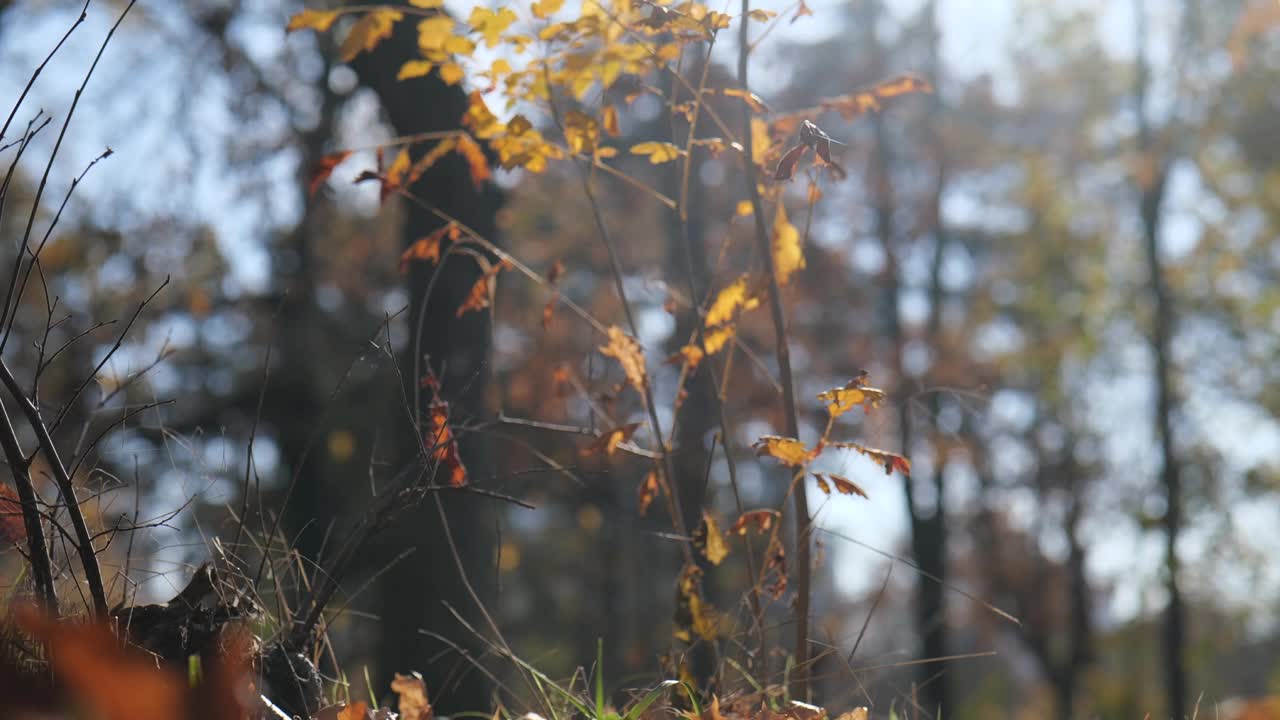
(751, 99)
(842, 399)
(801, 11)
(371, 29)
(543, 9)
(711, 540)
(413, 697)
(859, 103)
(658, 152)
(428, 248)
(734, 298)
(433, 35)
(649, 489)
(607, 443)
(319, 20)
(759, 520)
(859, 713)
(414, 68)
(744, 208)
(451, 73)
(393, 179)
(626, 350)
(789, 451)
(491, 24)
(789, 162)
(788, 257)
(430, 158)
(690, 354)
(888, 460)
(443, 445)
(694, 616)
(609, 120)
(323, 169)
(112, 681)
(477, 163)
(843, 485)
(762, 15)
(775, 567)
(581, 132)
(477, 296)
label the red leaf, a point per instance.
(323, 169)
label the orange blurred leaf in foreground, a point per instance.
(371, 29)
(788, 256)
(649, 489)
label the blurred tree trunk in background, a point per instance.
(417, 593)
(928, 534)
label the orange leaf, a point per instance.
(323, 169)
(649, 489)
(319, 20)
(690, 354)
(626, 350)
(478, 297)
(752, 100)
(427, 248)
(413, 697)
(760, 520)
(477, 163)
(789, 451)
(393, 178)
(430, 158)
(607, 443)
(443, 446)
(110, 680)
(609, 120)
(371, 29)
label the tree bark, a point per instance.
(415, 597)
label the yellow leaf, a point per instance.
(744, 207)
(544, 9)
(609, 119)
(458, 45)
(760, 140)
(433, 33)
(729, 302)
(789, 451)
(319, 20)
(628, 353)
(609, 441)
(751, 99)
(859, 713)
(716, 548)
(762, 15)
(658, 152)
(842, 399)
(451, 73)
(581, 131)
(368, 31)
(490, 24)
(429, 4)
(413, 69)
(788, 257)
(715, 340)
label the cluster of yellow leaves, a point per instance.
(694, 616)
(627, 352)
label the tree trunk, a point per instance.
(415, 598)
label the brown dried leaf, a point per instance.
(842, 399)
(843, 485)
(759, 520)
(712, 539)
(648, 491)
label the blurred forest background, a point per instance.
(1061, 266)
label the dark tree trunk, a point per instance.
(414, 598)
